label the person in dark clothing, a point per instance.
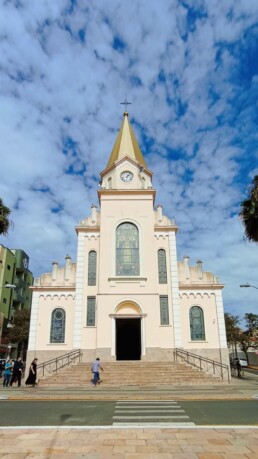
(17, 372)
(239, 368)
(32, 378)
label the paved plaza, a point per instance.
(205, 443)
(65, 442)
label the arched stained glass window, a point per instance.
(127, 250)
(162, 265)
(92, 268)
(197, 324)
(57, 331)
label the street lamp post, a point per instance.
(247, 286)
(8, 286)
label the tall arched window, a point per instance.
(197, 324)
(92, 268)
(127, 250)
(162, 266)
(57, 330)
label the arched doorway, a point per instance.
(128, 339)
(128, 331)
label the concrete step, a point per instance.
(130, 373)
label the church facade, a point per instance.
(127, 297)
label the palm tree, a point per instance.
(249, 212)
(5, 222)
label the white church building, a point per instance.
(127, 297)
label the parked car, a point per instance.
(243, 362)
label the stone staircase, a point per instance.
(130, 373)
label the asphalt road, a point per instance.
(106, 413)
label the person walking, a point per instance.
(95, 367)
(32, 378)
(7, 373)
(17, 372)
(239, 368)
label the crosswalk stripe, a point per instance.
(151, 417)
(150, 412)
(142, 402)
(154, 424)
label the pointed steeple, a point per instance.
(126, 144)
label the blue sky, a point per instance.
(190, 69)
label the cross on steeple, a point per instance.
(125, 103)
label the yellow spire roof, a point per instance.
(126, 144)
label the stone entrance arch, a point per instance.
(128, 332)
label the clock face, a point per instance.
(126, 176)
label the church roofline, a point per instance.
(66, 288)
(90, 229)
(198, 286)
(159, 228)
(120, 160)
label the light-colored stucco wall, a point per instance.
(135, 296)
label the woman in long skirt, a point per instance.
(32, 378)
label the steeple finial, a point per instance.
(125, 103)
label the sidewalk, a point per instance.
(132, 443)
(129, 443)
(238, 389)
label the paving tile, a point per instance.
(13, 456)
(218, 441)
(147, 449)
(125, 449)
(135, 442)
(114, 442)
(234, 456)
(210, 456)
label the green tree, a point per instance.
(232, 327)
(251, 322)
(249, 212)
(19, 332)
(247, 338)
(5, 222)
(232, 330)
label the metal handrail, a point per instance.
(54, 365)
(203, 363)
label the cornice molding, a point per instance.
(199, 286)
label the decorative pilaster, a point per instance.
(175, 291)
(220, 319)
(33, 322)
(78, 307)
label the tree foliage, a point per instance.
(249, 212)
(5, 222)
(19, 332)
(232, 327)
(243, 338)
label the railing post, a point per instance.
(198, 361)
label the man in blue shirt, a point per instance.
(95, 367)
